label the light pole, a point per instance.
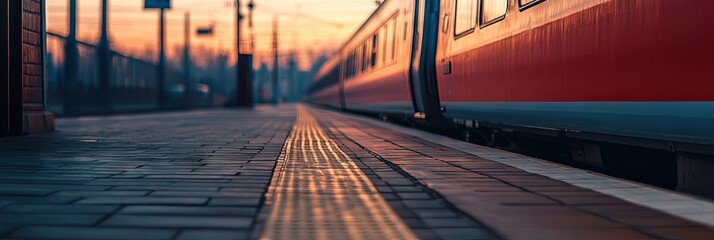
(104, 61)
(187, 58)
(276, 63)
(70, 63)
(162, 5)
(244, 89)
(161, 71)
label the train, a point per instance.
(593, 75)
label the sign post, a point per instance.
(162, 5)
(157, 4)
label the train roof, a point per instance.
(327, 67)
(333, 61)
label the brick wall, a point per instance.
(26, 94)
(32, 51)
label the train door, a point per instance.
(425, 96)
(4, 68)
(446, 38)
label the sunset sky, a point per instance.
(307, 27)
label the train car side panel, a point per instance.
(378, 81)
(619, 67)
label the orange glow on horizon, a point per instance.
(307, 28)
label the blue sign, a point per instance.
(157, 4)
(208, 31)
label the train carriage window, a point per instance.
(351, 65)
(346, 72)
(355, 63)
(493, 11)
(406, 26)
(524, 4)
(374, 49)
(391, 40)
(383, 32)
(465, 17)
(396, 40)
(365, 56)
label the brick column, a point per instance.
(26, 82)
(4, 127)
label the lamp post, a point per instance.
(70, 63)
(104, 62)
(244, 89)
(161, 71)
(187, 58)
(276, 63)
(162, 5)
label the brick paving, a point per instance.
(192, 175)
(319, 193)
(426, 212)
(205, 175)
(513, 203)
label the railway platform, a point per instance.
(300, 172)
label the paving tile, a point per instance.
(244, 189)
(407, 189)
(426, 234)
(59, 209)
(210, 167)
(46, 219)
(414, 222)
(521, 204)
(6, 228)
(250, 202)
(40, 200)
(5, 203)
(144, 200)
(436, 213)
(79, 233)
(463, 233)
(100, 193)
(694, 233)
(189, 211)
(378, 168)
(449, 222)
(424, 204)
(213, 235)
(574, 233)
(207, 194)
(11, 191)
(166, 188)
(202, 175)
(327, 196)
(413, 196)
(178, 221)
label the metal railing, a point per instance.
(133, 84)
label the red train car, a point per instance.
(631, 68)
(376, 61)
(325, 89)
(587, 72)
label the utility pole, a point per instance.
(251, 7)
(244, 89)
(70, 64)
(292, 77)
(187, 57)
(253, 90)
(276, 63)
(239, 18)
(104, 62)
(161, 71)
